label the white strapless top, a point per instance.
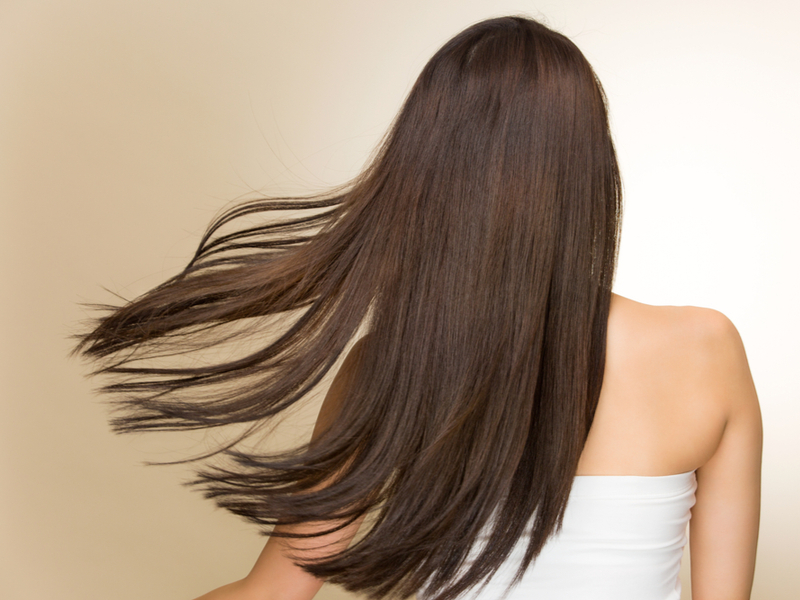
(622, 539)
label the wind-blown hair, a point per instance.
(478, 249)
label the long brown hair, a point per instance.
(478, 250)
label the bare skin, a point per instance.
(677, 396)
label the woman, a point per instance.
(502, 420)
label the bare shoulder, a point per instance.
(699, 346)
(678, 323)
(680, 374)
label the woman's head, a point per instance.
(478, 248)
(510, 86)
(507, 124)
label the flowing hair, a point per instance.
(478, 250)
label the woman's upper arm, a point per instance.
(725, 518)
(275, 575)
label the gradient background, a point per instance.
(126, 125)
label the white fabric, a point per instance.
(622, 539)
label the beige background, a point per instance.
(126, 125)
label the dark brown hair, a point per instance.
(478, 250)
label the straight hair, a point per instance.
(478, 250)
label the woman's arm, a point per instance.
(724, 524)
(275, 576)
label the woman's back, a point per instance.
(677, 406)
